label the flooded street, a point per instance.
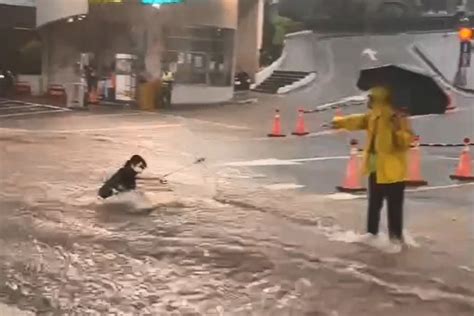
(205, 249)
(241, 116)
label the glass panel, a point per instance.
(202, 54)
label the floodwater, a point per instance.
(65, 252)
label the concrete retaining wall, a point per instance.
(443, 53)
(201, 94)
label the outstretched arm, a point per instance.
(163, 181)
(352, 122)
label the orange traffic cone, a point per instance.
(414, 178)
(300, 128)
(352, 182)
(276, 130)
(464, 169)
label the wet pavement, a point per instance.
(13, 108)
(219, 243)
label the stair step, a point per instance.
(264, 91)
(278, 79)
(276, 83)
(287, 77)
(270, 86)
(282, 80)
(270, 91)
(290, 73)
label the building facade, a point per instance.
(202, 41)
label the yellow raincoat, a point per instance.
(390, 145)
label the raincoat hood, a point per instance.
(380, 101)
(380, 94)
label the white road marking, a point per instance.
(230, 126)
(283, 186)
(320, 158)
(446, 158)
(280, 162)
(262, 162)
(234, 173)
(91, 130)
(357, 98)
(345, 196)
(32, 113)
(327, 132)
(119, 114)
(440, 187)
(348, 196)
(35, 104)
(371, 53)
(298, 161)
(47, 106)
(20, 105)
(15, 106)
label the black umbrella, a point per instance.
(412, 89)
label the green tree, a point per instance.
(283, 26)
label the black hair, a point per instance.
(135, 160)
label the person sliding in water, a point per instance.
(125, 179)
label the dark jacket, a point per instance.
(123, 180)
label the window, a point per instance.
(200, 54)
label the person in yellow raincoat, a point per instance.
(167, 80)
(389, 137)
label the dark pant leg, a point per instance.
(376, 197)
(166, 96)
(170, 94)
(395, 199)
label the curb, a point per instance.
(445, 144)
(343, 103)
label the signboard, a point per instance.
(465, 57)
(124, 79)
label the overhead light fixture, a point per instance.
(70, 20)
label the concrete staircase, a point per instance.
(279, 79)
